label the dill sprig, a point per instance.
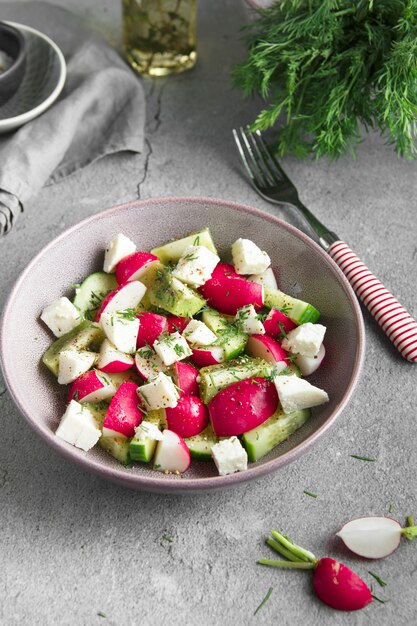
(330, 69)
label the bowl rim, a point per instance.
(181, 485)
(30, 114)
(21, 56)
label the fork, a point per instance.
(271, 182)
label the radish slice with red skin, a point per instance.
(208, 356)
(123, 414)
(227, 291)
(276, 322)
(371, 537)
(268, 349)
(93, 386)
(185, 377)
(177, 324)
(151, 326)
(188, 418)
(172, 454)
(339, 587)
(125, 297)
(112, 360)
(242, 406)
(134, 266)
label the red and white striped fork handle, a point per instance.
(393, 318)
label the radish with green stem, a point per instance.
(375, 537)
(334, 584)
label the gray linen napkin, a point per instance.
(100, 111)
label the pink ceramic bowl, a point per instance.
(303, 269)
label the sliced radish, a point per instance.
(267, 279)
(92, 386)
(172, 454)
(309, 364)
(227, 292)
(212, 355)
(148, 364)
(150, 327)
(185, 377)
(125, 297)
(134, 266)
(123, 414)
(113, 360)
(266, 348)
(242, 406)
(339, 587)
(371, 537)
(177, 324)
(276, 323)
(188, 418)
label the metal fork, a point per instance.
(273, 184)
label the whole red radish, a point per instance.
(188, 418)
(151, 326)
(227, 292)
(185, 377)
(242, 406)
(123, 414)
(333, 583)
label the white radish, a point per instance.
(267, 279)
(309, 364)
(371, 537)
(172, 454)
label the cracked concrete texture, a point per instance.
(73, 546)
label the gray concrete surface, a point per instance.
(73, 546)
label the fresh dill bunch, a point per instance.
(329, 70)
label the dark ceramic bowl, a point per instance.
(301, 266)
(12, 42)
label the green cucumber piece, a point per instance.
(172, 295)
(117, 447)
(98, 410)
(298, 311)
(230, 338)
(92, 291)
(142, 449)
(173, 250)
(117, 378)
(214, 378)
(85, 335)
(200, 445)
(262, 439)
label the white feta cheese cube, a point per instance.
(229, 456)
(196, 265)
(160, 393)
(61, 316)
(72, 363)
(248, 258)
(147, 430)
(306, 339)
(119, 248)
(198, 333)
(121, 329)
(78, 427)
(247, 320)
(296, 393)
(172, 348)
(266, 278)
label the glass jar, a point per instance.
(160, 35)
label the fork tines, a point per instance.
(262, 168)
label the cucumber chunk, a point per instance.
(85, 335)
(200, 445)
(117, 447)
(142, 449)
(148, 278)
(298, 311)
(172, 295)
(261, 440)
(92, 291)
(230, 338)
(214, 378)
(173, 250)
(98, 410)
